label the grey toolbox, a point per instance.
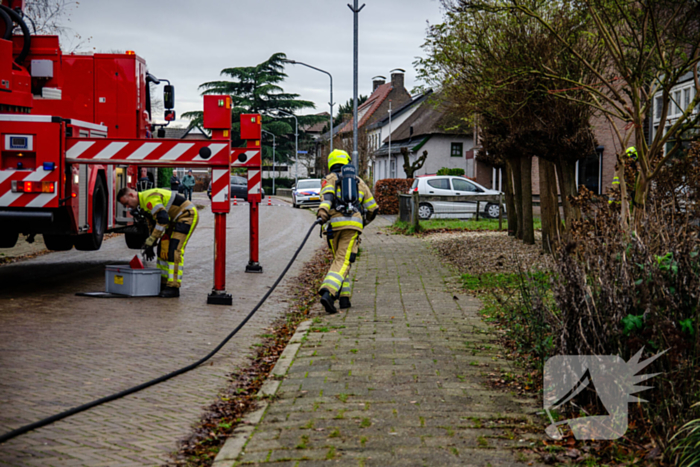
(121, 279)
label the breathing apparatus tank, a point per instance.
(349, 199)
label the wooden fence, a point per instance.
(408, 205)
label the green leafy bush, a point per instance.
(446, 171)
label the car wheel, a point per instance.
(93, 241)
(425, 211)
(8, 239)
(492, 210)
(135, 241)
(58, 242)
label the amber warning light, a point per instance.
(32, 187)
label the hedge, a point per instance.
(387, 191)
(446, 171)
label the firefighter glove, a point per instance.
(149, 254)
(150, 241)
(322, 215)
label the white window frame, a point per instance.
(676, 107)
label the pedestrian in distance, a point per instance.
(173, 220)
(347, 206)
(188, 183)
(145, 182)
(175, 182)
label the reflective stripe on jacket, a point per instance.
(339, 220)
(164, 206)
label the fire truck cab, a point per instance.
(46, 98)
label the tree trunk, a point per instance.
(518, 193)
(549, 206)
(566, 173)
(510, 200)
(526, 187)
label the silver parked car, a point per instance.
(307, 192)
(450, 185)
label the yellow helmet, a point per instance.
(632, 152)
(338, 156)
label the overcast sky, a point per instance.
(191, 42)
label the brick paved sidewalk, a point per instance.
(400, 379)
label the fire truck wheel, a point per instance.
(135, 241)
(58, 242)
(93, 241)
(8, 239)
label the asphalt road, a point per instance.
(58, 350)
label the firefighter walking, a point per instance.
(345, 199)
(174, 219)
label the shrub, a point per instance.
(387, 191)
(615, 292)
(446, 171)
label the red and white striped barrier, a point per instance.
(162, 152)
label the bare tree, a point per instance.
(51, 17)
(411, 167)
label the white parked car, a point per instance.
(450, 185)
(307, 192)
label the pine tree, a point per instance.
(257, 89)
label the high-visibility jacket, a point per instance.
(164, 206)
(330, 191)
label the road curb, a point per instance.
(234, 445)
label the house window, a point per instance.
(659, 107)
(588, 171)
(393, 168)
(456, 150)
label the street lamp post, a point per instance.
(331, 103)
(356, 12)
(273, 159)
(296, 141)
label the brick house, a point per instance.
(428, 128)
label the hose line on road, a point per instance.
(60, 416)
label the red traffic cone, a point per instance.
(235, 202)
(269, 201)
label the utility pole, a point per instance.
(273, 159)
(390, 156)
(355, 11)
(296, 139)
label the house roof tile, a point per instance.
(430, 119)
(367, 109)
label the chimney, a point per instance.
(377, 81)
(397, 78)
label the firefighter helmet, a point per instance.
(632, 153)
(338, 156)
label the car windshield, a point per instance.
(239, 181)
(307, 184)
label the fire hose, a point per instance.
(82, 408)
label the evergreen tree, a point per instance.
(345, 110)
(257, 89)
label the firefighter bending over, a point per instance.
(175, 219)
(347, 205)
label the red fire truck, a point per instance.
(48, 99)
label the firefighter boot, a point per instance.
(344, 303)
(169, 292)
(327, 301)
